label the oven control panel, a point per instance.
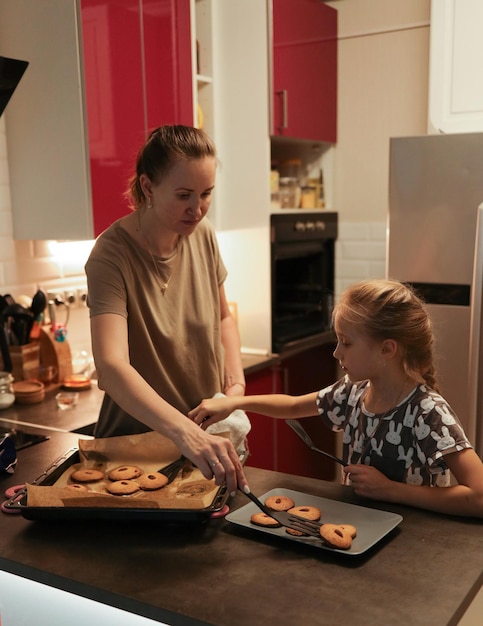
(293, 227)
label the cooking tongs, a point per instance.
(288, 520)
(302, 433)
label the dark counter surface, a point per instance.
(45, 415)
(426, 572)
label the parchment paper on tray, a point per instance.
(149, 451)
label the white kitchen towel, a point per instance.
(237, 424)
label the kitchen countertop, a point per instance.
(45, 415)
(255, 362)
(427, 571)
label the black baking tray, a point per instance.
(18, 502)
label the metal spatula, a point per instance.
(173, 469)
(302, 433)
(287, 519)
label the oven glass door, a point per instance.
(302, 290)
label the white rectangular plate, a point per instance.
(372, 524)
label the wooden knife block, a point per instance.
(56, 353)
(24, 358)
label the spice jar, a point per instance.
(289, 193)
(7, 396)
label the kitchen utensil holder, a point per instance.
(24, 358)
(55, 353)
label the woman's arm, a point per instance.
(465, 498)
(135, 396)
(230, 338)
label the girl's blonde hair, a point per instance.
(164, 147)
(388, 309)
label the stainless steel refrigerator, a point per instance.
(435, 242)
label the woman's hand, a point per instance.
(212, 410)
(367, 481)
(214, 456)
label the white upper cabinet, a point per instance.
(456, 61)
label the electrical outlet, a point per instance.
(71, 297)
(82, 297)
(68, 292)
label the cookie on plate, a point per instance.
(279, 503)
(262, 519)
(311, 513)
(336, 536)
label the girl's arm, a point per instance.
(465, 498)
(281, 406)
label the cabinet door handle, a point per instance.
(284, 104)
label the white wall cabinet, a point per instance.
(456, 59)
(241, 113)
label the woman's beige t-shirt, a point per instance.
(175, 337)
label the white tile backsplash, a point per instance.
(360, 253)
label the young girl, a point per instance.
(401, 438)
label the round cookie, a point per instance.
(150, 481)
(336, 536)
(122, 487)
(352, 530)
(77, 487)
(87, 475)
(279, 503)
(262, 519)
(311, 513)
(125, 472)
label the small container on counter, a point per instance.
(66, 400)
(7, 396)
(29, 391)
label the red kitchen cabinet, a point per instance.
(304, 70)
(137, 70)
(167, 60)
(262, 439)
(272, 444)
(302, 373)
(101, 74)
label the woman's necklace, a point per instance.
(162, 283)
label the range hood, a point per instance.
(11, 71)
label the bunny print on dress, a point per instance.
(416, 435)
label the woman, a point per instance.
(162, 333)
(401, 438)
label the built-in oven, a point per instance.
(302, 278)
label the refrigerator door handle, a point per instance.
(475, 367)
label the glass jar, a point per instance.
(7, 396)
(289, 193)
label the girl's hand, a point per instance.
(212, 410)
(367, 481)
